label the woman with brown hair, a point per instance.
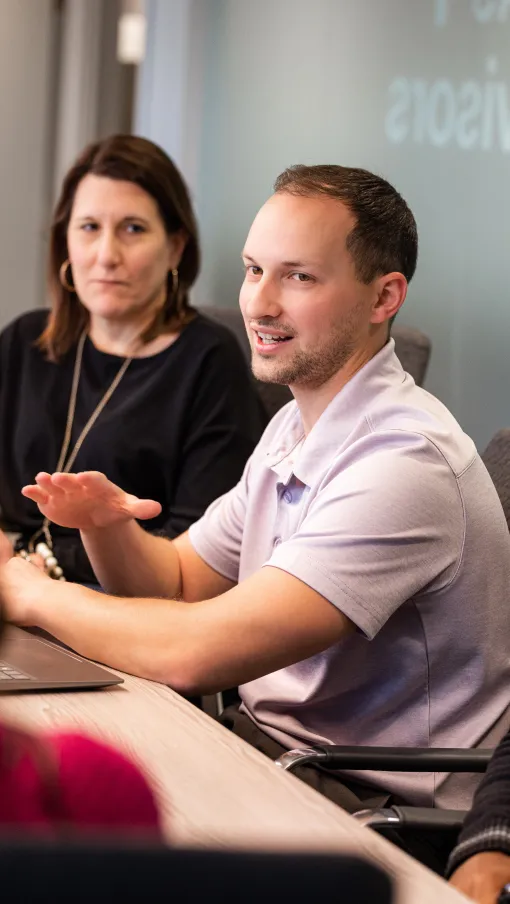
(121, 376)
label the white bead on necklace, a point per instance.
(51, 566)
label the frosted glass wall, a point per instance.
(417, 90)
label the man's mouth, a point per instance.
(270, 338)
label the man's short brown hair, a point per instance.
(385, 237)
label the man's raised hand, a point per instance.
(86, 500)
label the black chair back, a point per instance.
(33, 873)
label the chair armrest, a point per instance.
(388, 759)
(423, 818)
(291, 759)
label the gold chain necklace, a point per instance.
(46, 549)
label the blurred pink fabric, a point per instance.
(52, 783)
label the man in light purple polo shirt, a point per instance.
(354, 583)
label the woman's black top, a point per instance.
(179, 427)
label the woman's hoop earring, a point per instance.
(175, 293)
(175, 282)
(62, 275)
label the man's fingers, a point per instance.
(45, 481)
(95, 482)
(92, 481)
(69, 483)
(35, 493)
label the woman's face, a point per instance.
(119, 250)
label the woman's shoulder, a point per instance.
(229, 337)
(27, 327)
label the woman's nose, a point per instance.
(108, 250)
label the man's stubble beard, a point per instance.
(313, 369)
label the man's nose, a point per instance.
(262, 300)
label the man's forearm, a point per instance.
(149, 638)
(128, 561)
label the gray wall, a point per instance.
(60, 87)
(418, 90)
(26, 73)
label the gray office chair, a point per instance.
(395, 759)
(273, 396)
(413, 350)
(497, 461)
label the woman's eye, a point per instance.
(134, 228)
(253, 270)
(89, 227)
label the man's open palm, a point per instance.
(86, 500)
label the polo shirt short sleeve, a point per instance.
(217, 536)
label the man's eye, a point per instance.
(301, 277)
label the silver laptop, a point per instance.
(33, 663)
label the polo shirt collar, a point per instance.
(336, 423)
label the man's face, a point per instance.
(305, 311)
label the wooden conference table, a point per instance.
(215, 790)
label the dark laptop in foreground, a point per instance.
(34, 663)
(107, 873)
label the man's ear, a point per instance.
(391, 291)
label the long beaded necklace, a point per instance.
(45, 549)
